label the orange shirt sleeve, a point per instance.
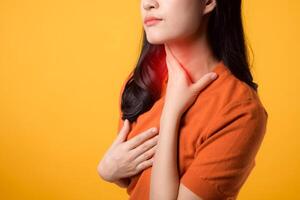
(226, 154)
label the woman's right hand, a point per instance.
(127, 158)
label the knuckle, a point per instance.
(155, 138)
(130, 156)
(148, 132)
(144, 147)
(142, 165)
(147, 154)
(153, 141)
(144, 156)
(154, 147)
(150, 142)
(151, 152)
(151, 131)
(139, 167)
(132, 166)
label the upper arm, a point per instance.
(226, 157)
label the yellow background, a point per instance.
(62, 63)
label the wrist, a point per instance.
(169, 113)
(167, 118)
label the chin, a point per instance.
(155, 39)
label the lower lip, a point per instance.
(152, 22)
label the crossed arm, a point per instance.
(234, 140)
(165, 182)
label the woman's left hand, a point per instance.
(181, 92)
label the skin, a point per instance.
(183, 28)
(127, 158)
(189, 60)
(180, 94)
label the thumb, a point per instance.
(204, 81)
(124, 131)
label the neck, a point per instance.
(195, 55)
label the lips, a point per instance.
(151, 20)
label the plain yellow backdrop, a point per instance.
(62, 64)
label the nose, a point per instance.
(148, 4)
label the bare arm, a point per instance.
(164, 177)
(180, 94)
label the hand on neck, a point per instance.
(195, 56)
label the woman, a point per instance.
(193, 84)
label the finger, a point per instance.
(139, 139)
(146, 155)
(173, 60)
(123, 132)
(169, 52)
(204, 81)
(144, 165)
(144, 147)
(169, 67)
(175, 65)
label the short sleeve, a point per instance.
(120, 121)
(225, 156)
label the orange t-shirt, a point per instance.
(219, 137)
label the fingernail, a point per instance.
(153, 130)
(213, 76)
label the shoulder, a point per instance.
(228, 91)
(236, 105)
(229, 101)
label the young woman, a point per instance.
(192, 84)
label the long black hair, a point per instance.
(227, 41)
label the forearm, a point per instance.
(164, 178)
